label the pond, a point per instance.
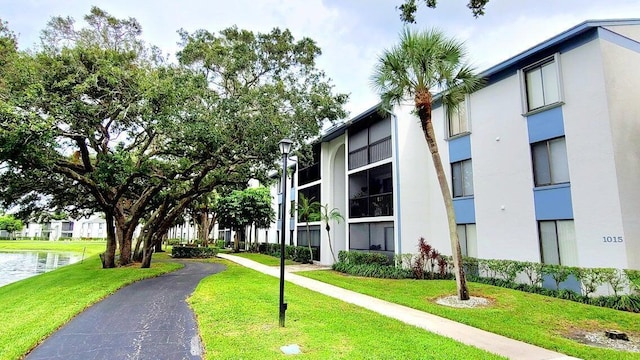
(18, 265)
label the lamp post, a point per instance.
(285, 147)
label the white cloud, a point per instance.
(351, 33)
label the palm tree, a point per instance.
(327, 216)
(308, 211)
(426, 62)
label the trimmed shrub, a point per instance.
(362, 258)
(186, 252)
(634, 280)
(373, 270)
(299, 254)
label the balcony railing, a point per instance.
(358, 158)
(380, 150)
(374, 152)
(375, 205)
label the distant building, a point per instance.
(93, 227)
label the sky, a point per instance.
(351, 33)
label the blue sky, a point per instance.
(351, 33)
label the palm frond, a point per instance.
(424, 61)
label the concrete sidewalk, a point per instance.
(497, 344)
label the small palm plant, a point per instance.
(308, 211)
(327, 216)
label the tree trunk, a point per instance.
(158, 244)
(109, 256)
(204, 228)
(147, 251)
(423, 104)
(124, 234)
(257, 244)
(333, 255)
(309, 243)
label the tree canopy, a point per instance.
(10, 224)
(137, 137)
(242, 208)
(409, 8)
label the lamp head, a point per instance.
(285, 146)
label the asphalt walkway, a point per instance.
(497, 344)
(148, 319)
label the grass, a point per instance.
(532, 318)
(237, 312)
(35, 307)
(265, 259)
(91, 247)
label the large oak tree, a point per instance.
(143, 138)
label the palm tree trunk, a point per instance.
(309, 244)
(423, 104)
(333, 255)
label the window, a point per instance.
(457, 119)
(312, 194)
(311, 172)
(462, 178)
(541, 82)
(372, 236)
(371, 192)
(370, 144)
(550, 164)
(467, 239)
(558, 242)
(66, 230)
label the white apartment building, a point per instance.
(543, 163)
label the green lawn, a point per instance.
(35, 307)
(264, 259)
(536, 319)
(91, 247)
(237, 312)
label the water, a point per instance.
(18, 265)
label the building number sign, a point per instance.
(612, 239)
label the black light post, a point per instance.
(285, 147)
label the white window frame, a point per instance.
(565, 242)
(462, 163)
(467, 109)
(555, 59)
(468, 245)
(550, 164)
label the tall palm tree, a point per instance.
(327, 216)
(308, 211)
(425, 62)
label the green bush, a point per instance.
(634, 280)
(220, 243)
(299, 254)
(373, 270)
(174, 241)
(362, 258)
(193, 252)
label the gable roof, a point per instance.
(568, 39)
(571, 38)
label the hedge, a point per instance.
(193, 252)
(429, 264)
(299, 254)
